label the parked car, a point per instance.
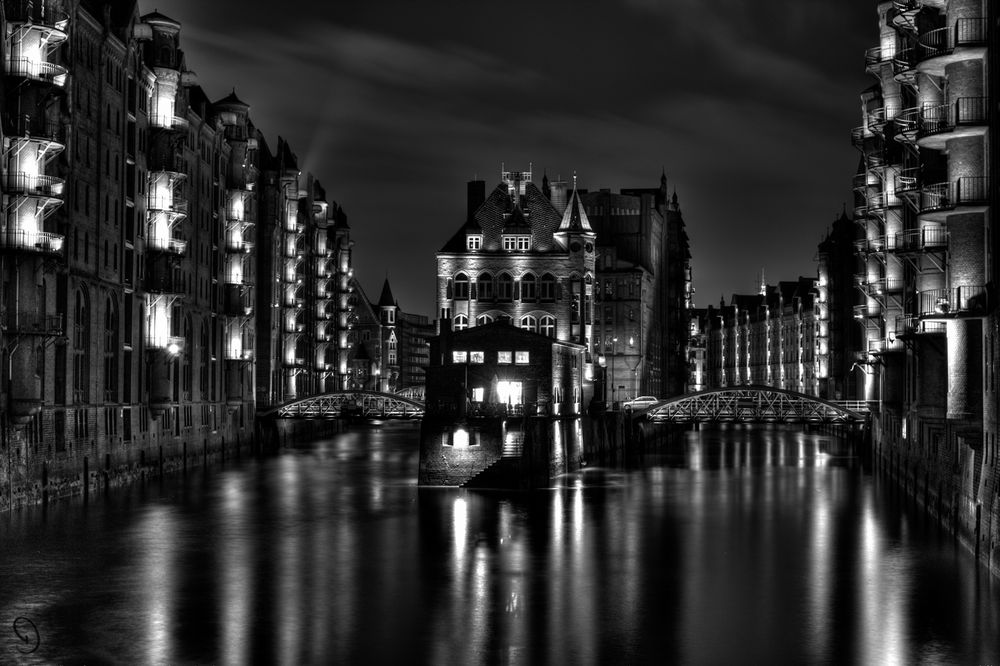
(642, 402)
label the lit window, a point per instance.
(478, 394)
(521, 357)
(529, 323)
(477, 357)
(524, 242)
(461, 322)
(548, 327)
(459, 356)
(510, 242)
(392, 357)
(473, 242)
(504, 357)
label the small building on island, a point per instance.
(493, 392)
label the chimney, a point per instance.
(477, 195)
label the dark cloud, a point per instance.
(394, 104)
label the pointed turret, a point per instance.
(386, 299)
(575, 216)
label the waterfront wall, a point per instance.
(946, 470)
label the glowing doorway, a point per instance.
(509, 393)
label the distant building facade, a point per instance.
(643, 291)
(390, 348)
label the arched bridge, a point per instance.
(752, 404)
(350, 404)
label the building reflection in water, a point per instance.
(739, 544)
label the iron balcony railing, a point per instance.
(171, 343)
(170, 163)
(42, 129)
(168, 245)
(919, 240)
(907, 180)
(172, 204)
(37, 70)
(966, 300)
(877, 55)
(885, 345)
(239, 247)
(914, 325)
(168, 122)
(32, 323)
(30, 184)
(947, 117)
(871, 245)
(903, 63)
(883, 286)
(907, 122)
(966, 191)
(966, 32)
(881, 200)
(31, 241)
(862, 311)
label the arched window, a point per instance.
(548, 327)
(484, 286)
(461, 287)
(505, 287)
(529, 323)
(482, 320)
(528, 288)
(461, 322)
(81, 346)
(548, 288)
(111, 347)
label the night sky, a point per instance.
(395, 104)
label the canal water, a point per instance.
(738, 545)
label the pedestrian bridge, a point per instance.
(754, 404)
(349, 404)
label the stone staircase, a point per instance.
(505, 472)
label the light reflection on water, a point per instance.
(739, 545)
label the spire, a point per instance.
(386, 300)
(575, 217)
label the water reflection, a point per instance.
(742, 545)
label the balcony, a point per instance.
(295, 362)
(32, 323)
(35, 242)
(295, 302)
(168, 122)
(965, 40)
(167, 204)
(239, 247)
(239, 354)
(873, 245)
(168, 245)
(885, 346)
(32, 185)
(867, 311)
(911, 325)
(907, 124)
(928, 239)
(876, 56)
(969, 301)
(882, 286)
(37, 70)
(173, 345)
(966, 116)
(36, 13)
(967, 194)
(904, 66)
(50, 136)
(880, 201)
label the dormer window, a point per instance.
(517, 242)
(473, 241)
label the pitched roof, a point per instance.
(575, 217)
(493, 216)
(386, 299)
(232, 100)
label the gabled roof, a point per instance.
(516, 222)
(491, 219)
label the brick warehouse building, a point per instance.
(926, 205)
(131, 206)
(519, 258)
(643, 290)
